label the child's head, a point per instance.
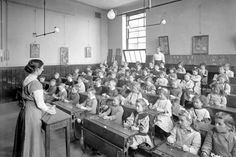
(203, 65)
(221, 70)
(74, 90)
(42, 78)
(116, 101)
(80, 79)
(180, 64)
(172, 69)
(149, 81)
(56, 75)
(52, 82)
(61, 86)
(156, 67)
(100, 74)
(91, 92)
(131, 78)
(215, 89)
(76, 70)
(221, 79)
(199, 101)
(164, 93)
(89, 72)
(126, 64)
(98, 82)
(227, 66)
(141, 105)
(195, 71)
(185, 119)
(88, 68)
(113, 74)
(69, 77)
(224, 122)
(162, 65)
(145, 72)
(127, 72)
(162, 74)
(172, 76)
(150, 64)
(139, 66)
(112, 84)
(187, 77)
(135, 87)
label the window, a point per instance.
(135, 37)
(136, 31)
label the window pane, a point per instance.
(143, 55)
(138, 57)
(137, 29)
(132, 56)
(142, 40)
(133, 46)
(141, 45)
(133, 41)
(142, 33)
(127, 56)
(133, 34)
(137, 16)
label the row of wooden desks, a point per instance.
(106, 136)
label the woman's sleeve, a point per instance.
(207, 145)
(37, 90)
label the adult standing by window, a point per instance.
(158, 57)
(28, 134)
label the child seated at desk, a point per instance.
(183, 136)
(216, 97)
(88, 78)
(112, 91)
(187, 86)
(180, 68)
(162, 81)
(221, 73)
(89, 105)
(80, 85)
(156, 71)
(52, 89)
(224, 86)
(69, 81)
(203, 72)
(42, 81)
(57, 78)
(140, 123)
(75, 74)
(228, 72)
(196, 80)
(115, 112)
(198, 113)
(149, 87)
(73, 96)
(133, 96)
(62, 94)
(98, 86)
(175, 90)
(163, 108)
(221, 140)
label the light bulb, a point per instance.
(34, 34)
(163, 21)
(56, 29)
(111, 14)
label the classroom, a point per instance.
(117, 78)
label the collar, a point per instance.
(29, 78)
(93, 97)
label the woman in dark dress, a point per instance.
(28, 134)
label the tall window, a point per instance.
(135, 32)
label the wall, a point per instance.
(78, 28)
(184, 20)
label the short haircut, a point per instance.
(92, 90)
(228, 119)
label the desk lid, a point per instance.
(59, 116)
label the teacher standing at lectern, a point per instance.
(158, 57)
(28, 134)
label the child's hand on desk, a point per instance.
(83, 108)
(134, 128)
(170, 140)
(106, 117)
(51, 110)
(66, 101)
(78, 105)
(185, 148)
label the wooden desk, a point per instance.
(165, 150)
(73, 111)
(106, 136)
(54, 122)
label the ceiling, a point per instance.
(108, 4)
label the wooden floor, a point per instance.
(8, 116)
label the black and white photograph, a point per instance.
(117, 78)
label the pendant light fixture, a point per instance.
(56, 29)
